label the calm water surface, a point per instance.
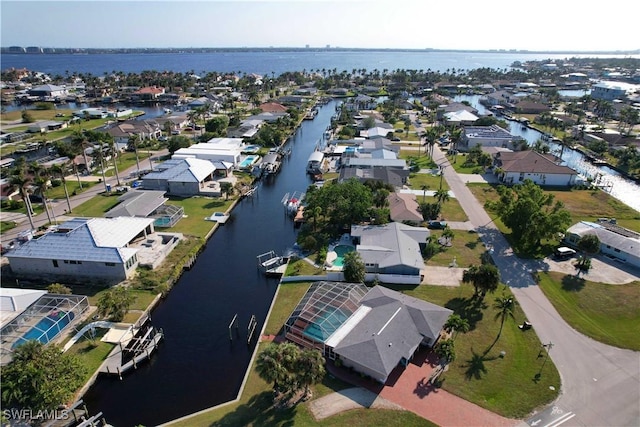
(197, 366)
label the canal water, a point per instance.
(610, 180)
(197, 366)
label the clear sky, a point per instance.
(552, 25)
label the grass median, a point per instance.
(606, 313)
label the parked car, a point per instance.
(563, 253)
(437, 225)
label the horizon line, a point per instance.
(427, 49)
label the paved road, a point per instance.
(600, 383)
(60, 205)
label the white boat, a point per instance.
(219, 217)
(292, 202)
(168, 111)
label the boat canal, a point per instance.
(197, 366)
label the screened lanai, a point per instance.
(321, 311)
(43, 321)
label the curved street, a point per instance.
(600, 383)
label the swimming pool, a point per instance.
(325, 325)
(341, 251)
(248, 161)
(47, 328)
(251, 149)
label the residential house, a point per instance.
(377, 132)
(372, 331)
(404, 207)
(147, 204)
(459, 118)
(48, 91)
(611, 90)
(542, 169)
(485, 136)
(616, 242)
(361, 102)
(216, 149)
(81, 250)
(144, 129)
(396, 177)
(530, 107)
(391, 252)
(386, 331)
(269, 117)
(272, 107)
(149, 93)
(180, 177)
(46, 126)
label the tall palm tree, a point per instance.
(134, 139)
(60, 171)
(42, 184)
(310, 369)
(442, 196)
(424, 189)
(113, 148)
(79, 139)
(504, 306)
(20, 182)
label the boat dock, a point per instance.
(272, 264)
(139, 348)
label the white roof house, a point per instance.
(615, 241)
(485, 136)
(460, 117)
(86, 249)
(221, 149)
(14, 301)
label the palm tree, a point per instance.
(310, 369)
(269, 366)
(42, 184)
(446, 350)
(20, 182)
(484, 278)
(114, 156)
(79, 139)
(59, 170)
(424, 189)
(505, 306)
(133, 141)
(442, 196)
(456, 324)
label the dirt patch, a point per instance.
(345, 400)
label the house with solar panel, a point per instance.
(84, 250)
(372, 331)
(485, 136)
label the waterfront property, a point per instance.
(44, 319)
(616, 242)
(485, 136)
(542, 169)
(370, 330)
(216, 149)
(147, 204)
(391, 252)
(180, 177)
(336, 252)
(83, 249)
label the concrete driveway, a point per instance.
(600, 383)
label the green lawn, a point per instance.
(606, 313)
(466, 247)
(195, 210)
(126, 161)
(509, 385)
(72, 187)
(97, 206)
(92, 353)
(300, 267)
(256, 403)
(417, 180)
(6, 226)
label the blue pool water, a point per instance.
(47, 328)
(326, 325)
(162, 222)
(341, 251)
(248, 161)
(251, 149)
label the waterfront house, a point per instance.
(391, 252)
(616, 242)
(611, 90)
(542, 169)
(459, 118)
(149, 93)
(48, 91)
(371, 331)
(216, 149)
(485, 136)
(394, 176)
(45, 126)
(144, 129)
(147, 204)
(182, 177)
(82, 250)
